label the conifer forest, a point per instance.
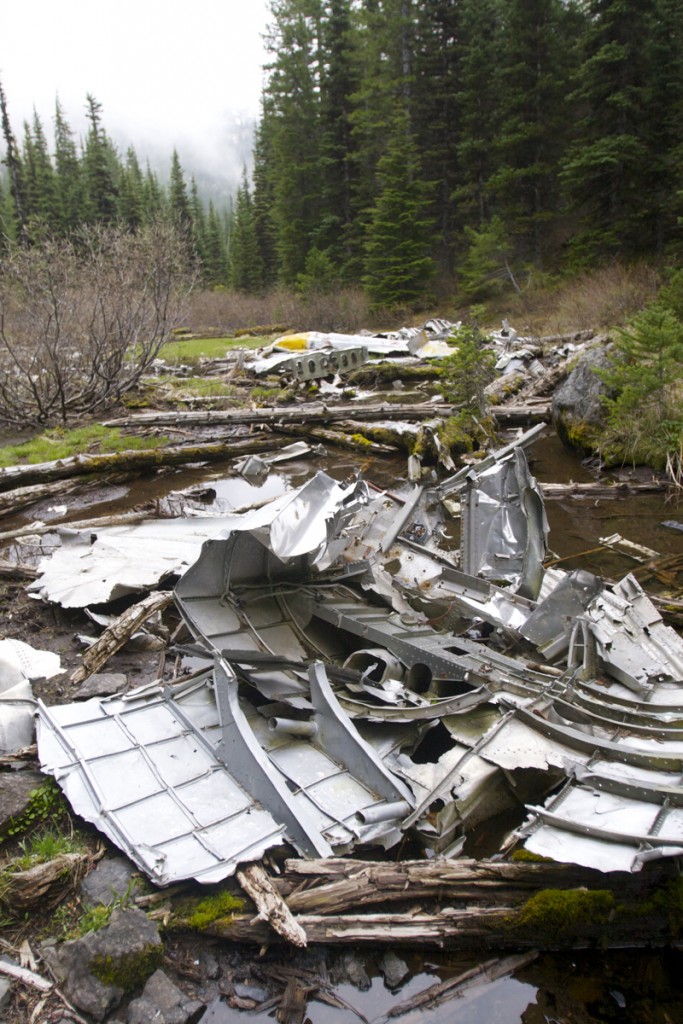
(408, 148)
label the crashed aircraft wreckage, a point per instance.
(364, 680)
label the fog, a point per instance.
(167, 74)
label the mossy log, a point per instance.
(471, 905)
(354, 441)
(131, 461)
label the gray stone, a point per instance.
(5, 992)
(394, 969)
(15, 793)
(164, 1003)
(354, 970)
(102, 684)
(578, 401)
(96, 971)
(111, 879)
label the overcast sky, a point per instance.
(167, 73)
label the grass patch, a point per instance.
(191, 351)
(61, 444)
(44, 846)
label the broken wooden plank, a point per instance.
(120, 631)
(270, 905)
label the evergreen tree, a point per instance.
(215, 254)
(100, 166)
(606, 171)
(69, 176)
(42, 205)
(398, 266)
(534, 117)
(263, 200)
(178, 199)
(131, 196)
(245, 272)
(15, 172)
(154, 200)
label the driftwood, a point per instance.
(16, 570)
(270, 905)
(20, 497)
(116, 635)
(518, 415)
(25, 976)
(129, 461)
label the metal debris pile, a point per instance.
(376, 668)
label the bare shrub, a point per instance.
(81, 321)
(346, 310)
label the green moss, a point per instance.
(199, 914)
(361, 441)
(552, 912)
(45, 803)
(129, 971)
(61, 444)
(667, 900)
(373, 374)
(523, 856)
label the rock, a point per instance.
(96, 971)
(102, 684)
(5, 992)
(111, 879)
(393, 968)
(218, 1012)
(577, 403)
(15, 794)
(354, 970)
(164, 1003)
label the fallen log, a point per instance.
(130, 461)
(519, 415)
(20, 497)
(275, 415)
(347, 441)
(468, 905)
(120, 631)
(601, 490)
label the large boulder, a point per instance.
(578, 412)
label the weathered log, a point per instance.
(347, 441)
(518, 415)
(335, 885)
(270, 905)
(16, 571)
(319, 412)
(20, 497)
(148, 458)
(24, 889)
(600, 490)
(116, 635)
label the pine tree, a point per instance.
(131, 198)
(245, 271)
(215, 255)
(42, 204)
(398, 266)
(263, 200)
(69, 175)
(18, 216)
(534, 115)
(606, 170)
(178, 199)
(100, 166)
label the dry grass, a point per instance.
(346, 311)
(599, 300)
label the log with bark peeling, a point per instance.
(118, 633)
